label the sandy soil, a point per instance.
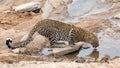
(14, 25)
(60, 64)
(31, 60)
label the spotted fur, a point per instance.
(58, 31)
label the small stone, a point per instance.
(5, 22)
(117, 16)
(7, 11)
(105, 58)
(116, 57)
(80, 60)
(17, 31)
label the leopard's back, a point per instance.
(55, 30)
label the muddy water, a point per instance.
(109, 46)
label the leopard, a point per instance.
(58, 31)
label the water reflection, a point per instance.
(94, 54)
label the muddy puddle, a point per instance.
(109, 46)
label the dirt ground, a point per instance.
(16, 25)
(28, 59)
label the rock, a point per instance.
(49, 6)
(80, 60)
(105, 58)
(117, 16)
(66, 50)
(68, 1)
(31, 6)
(116, 57)
(7, 11)
(5, 22)
(46, 9)
(55, 3)
(80, 7)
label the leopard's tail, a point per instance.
(27, 41)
